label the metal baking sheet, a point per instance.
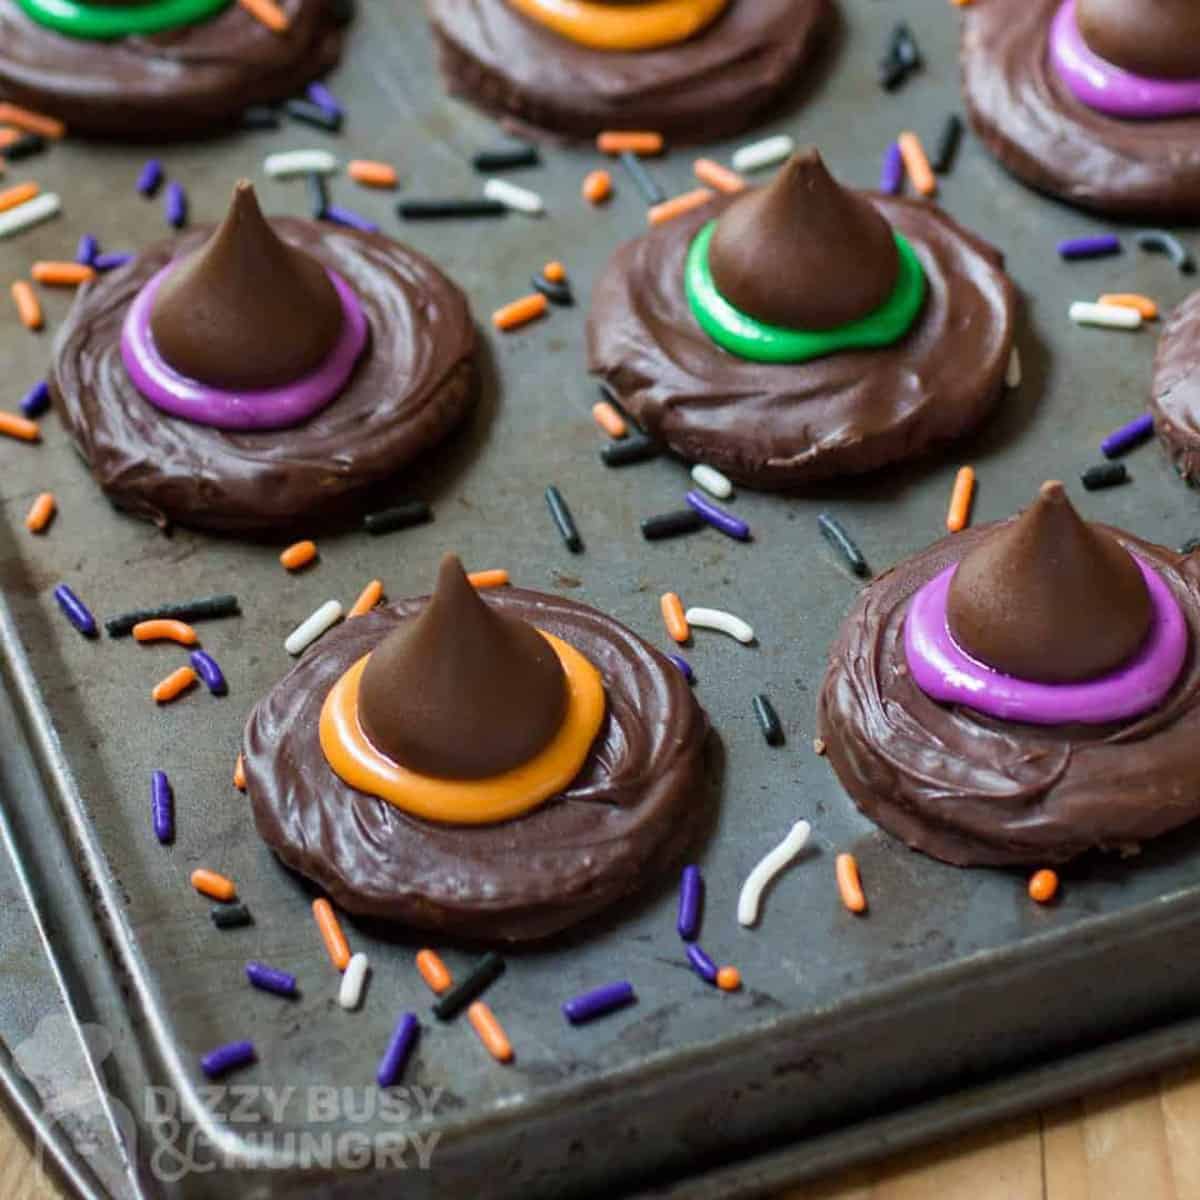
(953, 980)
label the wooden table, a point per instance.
(1140, 1142)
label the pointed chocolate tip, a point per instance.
(1049, 597)
(1160, 40)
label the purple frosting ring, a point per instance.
(945, 672)
(266, 408)
(1110, 89)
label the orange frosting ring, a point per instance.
(646, 26)
(355, 760)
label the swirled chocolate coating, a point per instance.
(1049, 597)
(973, 790)
(463, 690)
(1175, 393)
(1156, 38)
(804, 252)
(635, 806)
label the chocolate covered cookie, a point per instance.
(1175, 392)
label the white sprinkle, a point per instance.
(770, 866)
(300, 162)
(1012, 377)
(723, 622)
(40, 208)
(1110, 316)
(712, 481)
(307, 632)
(353, 978)
(763, 154)
(518, 198)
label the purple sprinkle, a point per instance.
(891, 171)
(150, 179)
(691, 889)
(162, 807)
(208, 670)
(1128, 436)
(322, 97)
(685, 667)
(76, 611)
(36, 400)
(403, 1039)
(346, 216)
(175, 205)
(718, 518)
(599, 1001)
(224, 1058)
(87, 250)
(268, 979)
(701, 963)
(110, 262)
(1090, 247)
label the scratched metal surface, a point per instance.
(840, 1017)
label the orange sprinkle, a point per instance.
(19, 193)
(715, 175)
(497, 577)
(617, 141)
(21, 428)
(1043, 886)
(1143, 304)
(298, 555)
(268, 13)
(678, 205)
(729, 979)
(31, 122)
(493, 1037)
(164, 630)
(367, 599)
(916, 163)
(520, 312)
(29, 307)
(606, 416)
(8, 135)
(849, 884)
(433, 971)
(372, 174)
(174, 685)
(960, 499)
(62, 274)
(331, 933)
(554, 271)
(239, 774)
(41, 512)
(216, 887)
(673, 618)
(597, 186)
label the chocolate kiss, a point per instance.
(246, 310)
(1157, 38)
(462, 691)
(804, 252)
(1049, 597)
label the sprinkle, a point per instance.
(19, 427)
(259, 116)
(162, 629)
(849, 883)
(36, 400)
(556, 293)
(41, 512)
(162, 807)
(563, 521)
(517, 198)
(762, 154)
(215, 887)
(372, 174)
(638, 448)
(433, 971)
(1097, 246)
(612, 141)
(31, 122)
(765, 870)
(110, 262)
(673, 618)
(891, 170)
(691, 893)
(353, 981)
(401, 516)
(684, 667)
(25, 146)
(307, 632)
(920, 173)
(1108, 316)
(504, 158)
(298, 555)
(289, 163)
(87, 249)
(29, 307)
(486, 971)
(519, 312)
(672, 524)
(18, 194)
(308, 113)
(175, 684)
(1129, 435)
(835, 534)
(151, 177)
(729, 979)
(1158, 240)
(367, 599)
(722, 622)
(597, 186)
(33, 212)
(891, 74)
(175, 205)
(320, 95)
(209, 671)
(267, 13)
(482, 580)
(1043, 886)
(555, 272)
(75, 610)
(598, 1002)
(1012, 373)
(204, 608)
(768, 719)
(330, 929)
(318, 195)
(239, 773)
(432, 210)
(645, 183)
(1104, 475)
(668, 210)
(399, 1049)
(62, 274)
(230, 916)
(611, 421)
(712, 481)
(8, 135)
(718, 177)
(491, 1034)
(701, 963)
(225, 1058)
(1143, 304)
(340, 215)
(268, 979)
(717, 517)
(960, 499)
(947, 144)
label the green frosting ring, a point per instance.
(95, 22)
(746, 337)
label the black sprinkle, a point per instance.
(563, 520)
(259, 116)
(947, 144)
(768, 719)
(642, 179)
(427, 210)
(672, 524)
(26, 146)
(1190, 546)
(503, 158)
(609, 393)
(489, 968)
(556, 293)
(626, 451)
(205, 609)
(402, 516)
(230, 916)
(318, 195)
(1104, 475)
(309, 113)
(843, 543)
(903, 48)
(1166, 243)
(892, 74)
